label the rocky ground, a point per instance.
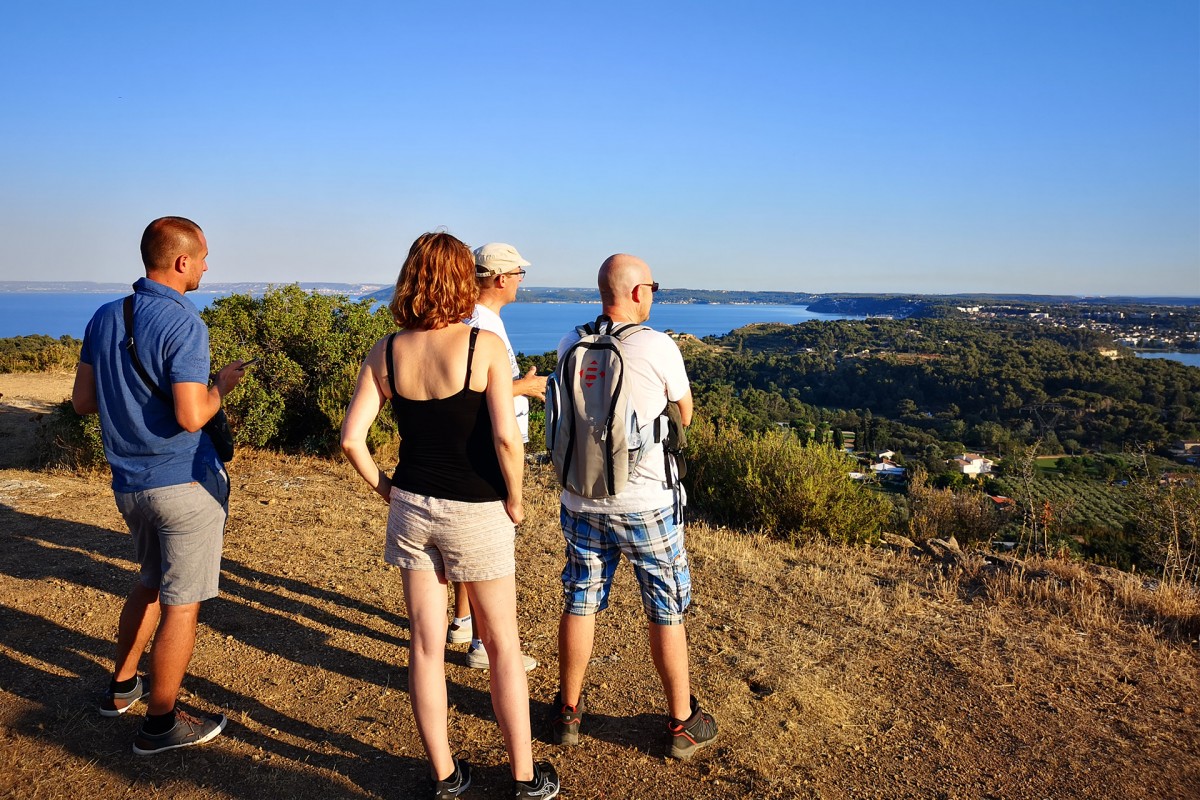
(833, 672)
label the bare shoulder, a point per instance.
(490, 343)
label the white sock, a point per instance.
(477, 644)
(461, 620)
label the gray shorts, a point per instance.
(463, 542)
(178, 532)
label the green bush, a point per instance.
(70, 441)
(38, 353)
(309, 348)
(771, 481)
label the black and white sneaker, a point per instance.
(544, 785)
(458, 782)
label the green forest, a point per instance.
(950, 384)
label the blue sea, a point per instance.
(532, 327)
(1191, 359)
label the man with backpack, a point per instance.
(607, 432)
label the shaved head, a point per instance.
(618, 275)
(165, 239)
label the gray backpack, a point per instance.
(592, 430)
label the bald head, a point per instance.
(625, 290)
(619, 274)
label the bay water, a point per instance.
(1192, 359)
(533, 327)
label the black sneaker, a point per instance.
(566, 724)
(458, 782)
(544, 785)
(187, 731)
(688, 736)
(115, 704)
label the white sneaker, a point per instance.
(477, 658)
(460, 633)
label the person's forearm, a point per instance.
(511, 454)
(364, 464)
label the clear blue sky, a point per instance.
(1017, 146)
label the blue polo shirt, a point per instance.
(145, 446)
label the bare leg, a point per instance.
(462, 601)
(495, 604)
(139, 618)
(170, 654)
(668, 646)
(425, 595)
(576, 635)
(462, 608)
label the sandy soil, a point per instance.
(833, 673)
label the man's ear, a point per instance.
(181, 262)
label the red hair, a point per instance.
(436, 286)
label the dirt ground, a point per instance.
(833, 672)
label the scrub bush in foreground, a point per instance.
(771, 481)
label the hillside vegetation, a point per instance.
(937, 386)
(909, 385)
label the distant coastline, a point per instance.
(855, 304)
(248, 287)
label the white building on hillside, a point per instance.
(973, 464)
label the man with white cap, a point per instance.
(499, 270)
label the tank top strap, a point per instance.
(390, 364)
(470, 357)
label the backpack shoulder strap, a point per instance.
(131, 346)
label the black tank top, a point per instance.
(446, 445)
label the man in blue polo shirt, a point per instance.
(169, 484)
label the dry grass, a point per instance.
(834, 672)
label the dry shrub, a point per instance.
(1167, 515)
(967, 515)
(1094, 598)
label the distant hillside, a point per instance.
(553, 294)
(246, 287)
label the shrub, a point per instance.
(38, 353)
(938, 513)
(1166, 519)
(770, 481)
(70, 441)
(309, 348)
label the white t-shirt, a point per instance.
(487, 320)
(654, 373)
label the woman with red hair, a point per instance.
(454, 497)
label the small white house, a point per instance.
(888, 471)
(973, 464)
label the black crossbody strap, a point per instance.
(131, 346)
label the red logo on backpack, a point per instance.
(590, 373)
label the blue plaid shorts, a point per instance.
(653, 543)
